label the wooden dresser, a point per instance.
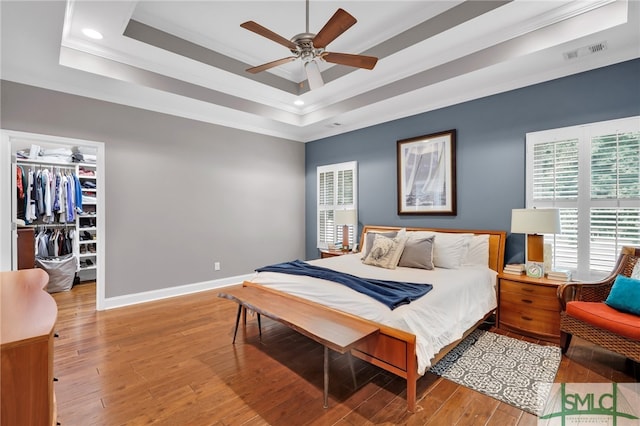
(26, 248)
(28, 316)
(529, 306)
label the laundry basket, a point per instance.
(61, 270)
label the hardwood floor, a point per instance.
(171, 362)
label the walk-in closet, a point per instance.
(57, 208)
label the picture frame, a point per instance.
(427, 174)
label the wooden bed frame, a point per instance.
(394, 350)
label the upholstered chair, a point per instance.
(590, 311)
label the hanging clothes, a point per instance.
(63, 199)
(20, 194)
(54, 242)
(56, 192)
(70, 199)
(30, 214)
(78, 193)
(39, 194)
(46, 196)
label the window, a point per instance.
(337, 190)
(592, 174)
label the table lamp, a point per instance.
(345, 218)
(534, 223)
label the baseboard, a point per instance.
(165, 293)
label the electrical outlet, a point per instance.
(216, 266)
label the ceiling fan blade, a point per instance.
(269, 65)
(340, 22)
(314, 77)
(265, 32)
(359, 61)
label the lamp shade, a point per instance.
(346, 217)
(535, 221)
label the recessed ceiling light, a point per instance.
(298, 102)
(92, 34)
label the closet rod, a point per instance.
(49, 225)
(41, 163)
(46, 166)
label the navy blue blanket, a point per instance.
(391, 293)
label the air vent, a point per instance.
(586, 50)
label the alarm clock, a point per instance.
(535, 269)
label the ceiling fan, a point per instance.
(310, 47)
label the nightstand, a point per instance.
(529, 306)
(324, 253)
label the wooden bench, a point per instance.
(336, 331)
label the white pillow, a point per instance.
(418, 235)
(478, 252)
(450, 250)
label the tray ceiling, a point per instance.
(188, 58)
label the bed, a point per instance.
(414, 336)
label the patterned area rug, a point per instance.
(510, 370)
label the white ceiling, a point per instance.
(188, 58)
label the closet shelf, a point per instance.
(48, 162)
(87, 268)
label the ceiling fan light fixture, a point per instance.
(309, 46)
(313, 75)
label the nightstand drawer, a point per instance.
(537, 321)
(533, 290)
(524, 300)
(529, 306)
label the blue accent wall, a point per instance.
(490, 149)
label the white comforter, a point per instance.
(459, 298)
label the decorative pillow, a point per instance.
(385, 252)
(368, 240)
(636, 271)
(449, 250)
(625, 295)
(418, 253)
(478, 252)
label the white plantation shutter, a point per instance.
(592, 174)
(614, 166)
(555, 170)
(555, 180)
(610, 230)
(337, 189)
(326, 191)
(615, 181)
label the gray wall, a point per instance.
(180, 194)
(490, 148)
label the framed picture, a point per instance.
(427, 174)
